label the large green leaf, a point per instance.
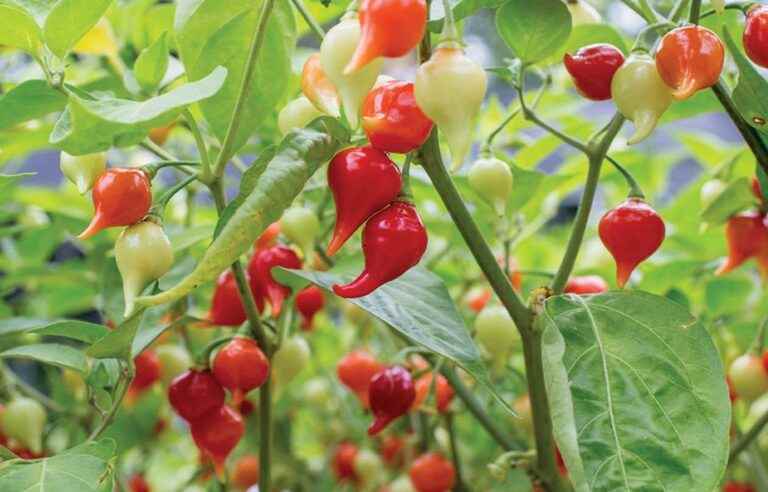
(534, 30)
(69, 20)
(19, 28)
(85, 468)
(10, 180)
(28, 101)
(637, 392)
(219, 32)
(736, 197)
(76, 330)
(151, 65)
(751, 93)
(461, 9)
(89, 126)
(50, 353)
(417, 305)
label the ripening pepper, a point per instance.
(450, 88)
(24, 419)
(392, 120)
(492, 179)
(583, 13)
(144, 254)
(309, 302)
(587, 284)
(389, 28)
(263, 284)
(431, 472)
(592, 69)
(300, 225)
(355, 371)
(343, 463)
(240, 366)
(755, 37)
(690, 58)
(317, 88)
(290, 359)
(195, 393)
(296, 114)
(747, 237)
(336, 51)
(394, 240)
(640, 94)
(83, 170)
(217, 433)
(121, 197)
(226, 306)
(391, 394)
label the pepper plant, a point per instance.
(317, 245)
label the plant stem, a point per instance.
(245, 90)
(29, 390)
(750, 135)
(126, 377)
(460, 485)
(265, 435)
(677, 11)
(693, 18)
(746, 439)
(634, 189)
(597, 153)
(307, 16)
(205, 170)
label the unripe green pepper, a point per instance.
(290, 359)
(449, 89)
(583, 13)
(640, 94)
(301, 226)
(83, 170)
(144, 254)
(496, 332)
(710, 191)
(24, 420)
(336, 51)
(174, 360)
(368, 467)
(492, 179)
(297, 114)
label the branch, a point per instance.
(746, 439)
(307, 16)
(750, 135)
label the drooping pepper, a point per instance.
(363, 180)
(755, 37)
(217, 433)
(391, 394)
(450, 88)
(194, 394)
(389, 28)
(592, 69)
(443, 391)
(144, 254)
(147, 371)
(640, 94)
(392, 120)
(296, 114)
(492, 179)
(240, 366)
(263, 284)
(300, 225)
(588, 284)
(431, 472)
(747, 237)
(690, 58)
(336, 51)
(309, 302)
(226, 306)
(83, 170)
(316, 87)
(631, 232)
(24, 419)
(394, 240)
(121, 197)
(355, 371)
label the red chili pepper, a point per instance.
(240, 366)
(263, 284)
(217, 433)
(592, 68)
(392, 119)
(137, 484)
(477, 298)
(121, 197)
(389, 28)
(246, 472)
(690, 58)
(268, 238)
(589, 284)
(309, 302)
(632, 232)
(318, 88)
(391, 394)
(391, 450)
(747, 237)
(227, 306)
(394, 240)
(738, 487)
(432, 473)
(147, 371)
(194, 394)
(756, 35)
(355, 371)
(363, 180)
(443, 391)
(344, 462)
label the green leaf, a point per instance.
(751, 92)
(70, 20)
(736, 197)
(89, 126)
(637, 393)
(117, 343)
(418, 306)
(29, 100)
(19, 28)
(50, 353)
(9, 180)
(534, 30)
(219, 32)
(461, 10)
(85, 468)
(151, 65)
(73, 329)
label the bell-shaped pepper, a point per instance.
(690, 58)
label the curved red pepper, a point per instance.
(226, 306)
(588, 284)
(240, 366)
(389, 28)
(747, 237)
(392, 120)
(194, 394)
(756, 35)
(363, 180)
(390, 394)
(690, 58)
(592, 68)
(217, 433)
(263, 284)
(394, 240)
(309, 302)
(632, 232)
(121, 197)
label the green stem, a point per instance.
(265, 435)
(158, 151)
(245, 90)
(597, 152)
(162, 201)
(695, 12)
(460, 484)
(202, 149)
(746, 439)
(406, 173)
(634, 189)
(29, 390)
(514, 113)
(126, 377)
(748, 133)
(677, 11)
(450, 31)
(307, 16)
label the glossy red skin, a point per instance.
(227, 306)
(755, 37)
(747, 237)
(632, 232)
(391, 394)
(194, 394)
(309, 302)
(263, 284)
(137, 484)
(147, 370)
(355, 371)
(121, 197)
(391, 450)
(738, 487)
(246, 472)
(389, 28)
(240, 366)
(443, 390)
(363, 180)
(431, 472)
(588, 284)
(268, 238)
(394, 240)
(217, 433)
(343, 463)
(690, 58)
(392, 120)
(592, 69)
